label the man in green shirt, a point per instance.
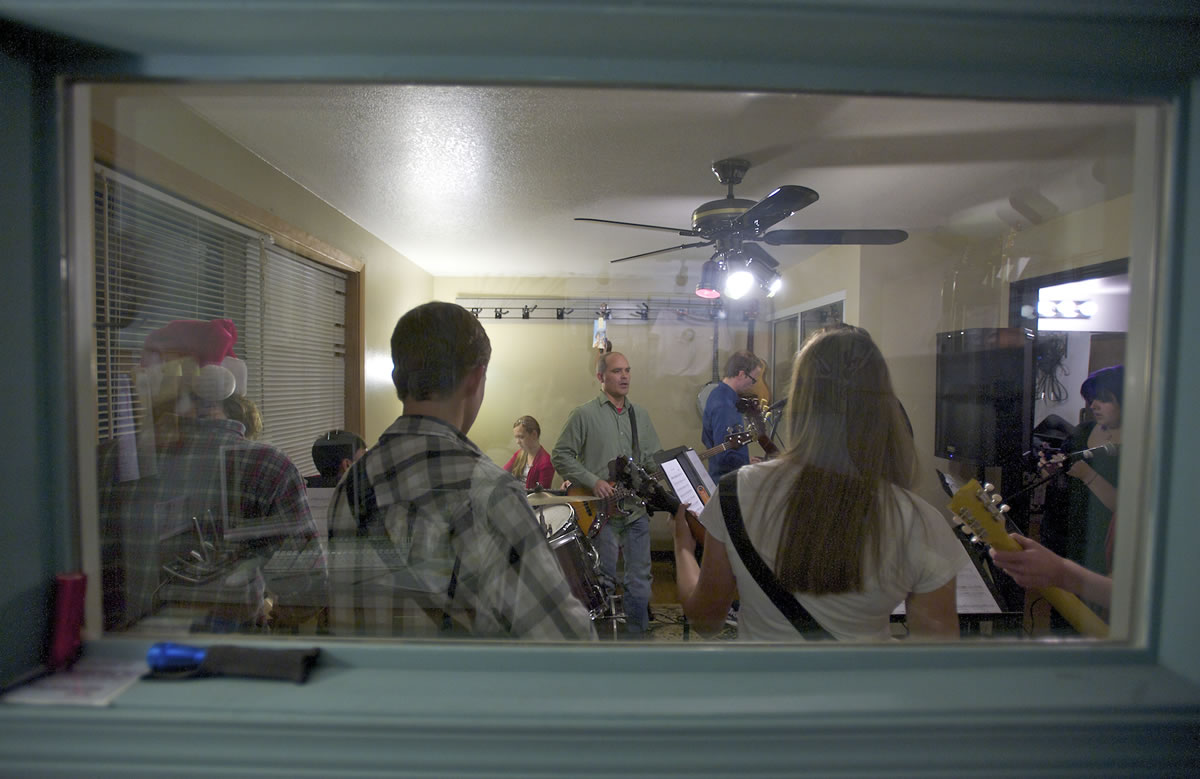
(604, 428)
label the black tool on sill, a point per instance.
(180, 661)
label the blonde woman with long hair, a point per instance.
(531, 462)
(834, 518)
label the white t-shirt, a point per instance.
(919, 553)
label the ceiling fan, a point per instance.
(735, 226)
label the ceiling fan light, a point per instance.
(709, 275)
(774, 286)
(738, 284)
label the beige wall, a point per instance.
(547, 368)
(836, 269)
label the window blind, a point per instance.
(159, 258)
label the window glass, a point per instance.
(987, 249)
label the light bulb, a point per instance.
(738, 284)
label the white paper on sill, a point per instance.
(90, 682)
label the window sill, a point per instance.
(465, 709)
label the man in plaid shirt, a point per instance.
(428, 535)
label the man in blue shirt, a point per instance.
(721, 416)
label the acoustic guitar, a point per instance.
(983, 512)
(760, 389)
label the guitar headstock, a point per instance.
(748, 404)
(740, 438)
(983, 510)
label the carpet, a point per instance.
(668, 625)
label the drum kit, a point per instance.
(579, 560)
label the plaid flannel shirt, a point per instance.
(247, 500)
(429, 536)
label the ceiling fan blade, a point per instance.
(663, 251)
(776, 207)
(759, 254)
(675, 230)
(830, 237)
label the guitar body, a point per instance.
(702, 396)
(587, 513)
(973, 505)
(760, 389)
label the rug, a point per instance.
(668, 624)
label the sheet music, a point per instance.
(682, 485)
(701, 471)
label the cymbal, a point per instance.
(547, 499)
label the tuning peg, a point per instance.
(1004, 508)
(997, 499)
(989, 487)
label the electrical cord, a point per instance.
(1050, 356)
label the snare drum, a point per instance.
(554, 518)
(579, 561)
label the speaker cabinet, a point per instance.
(984, 413)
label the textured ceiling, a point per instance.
(486, 181)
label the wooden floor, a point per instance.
(662, 588)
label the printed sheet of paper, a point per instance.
(90, 682)
(974, 597)
(682, 485)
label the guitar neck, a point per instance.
(969, 503)
(707, 453)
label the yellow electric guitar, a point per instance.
(983, 512)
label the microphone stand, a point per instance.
(1032, 486)
(1062, 467)
(775, 426)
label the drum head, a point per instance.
(556, 519)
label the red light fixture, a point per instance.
(710, 275)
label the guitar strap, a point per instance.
(637, 455)
(804, 622)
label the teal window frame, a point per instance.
(595, 710)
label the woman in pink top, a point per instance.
(531, 462)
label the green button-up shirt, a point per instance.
(595, 434)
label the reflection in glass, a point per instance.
(1017, 216)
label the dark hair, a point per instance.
(602, 362)
(329, 450)
(742, 361)
(1106, 384)
(434, 347)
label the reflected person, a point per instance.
(332, 454)
(193, 510)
